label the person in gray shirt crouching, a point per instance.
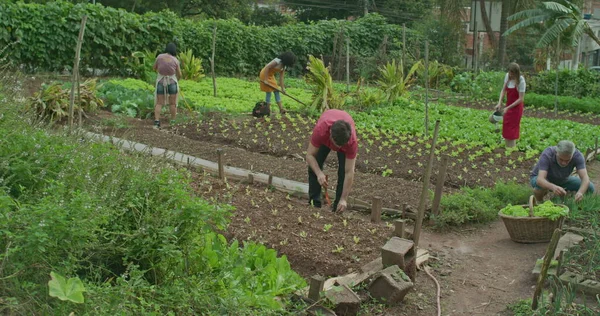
(553, 172)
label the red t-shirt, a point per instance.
(321, 134)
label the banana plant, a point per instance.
(191, 66)
(392, 80)
(324, 96)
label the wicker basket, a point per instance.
(531, 229)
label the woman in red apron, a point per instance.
(514, 87)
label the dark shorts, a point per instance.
(172, 88)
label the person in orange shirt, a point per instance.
(268, 83)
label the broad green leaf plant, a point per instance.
(66, 290)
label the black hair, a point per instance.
(288, 59)
(171, 49)
(341, 132)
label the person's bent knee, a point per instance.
(591, 189)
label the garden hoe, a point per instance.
(287, 95)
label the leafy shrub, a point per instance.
(52, 102)
(115, 34)
(191, 66)
(586, 105)
(468, 206)
(579, 84)
(130, 228)
(479, 205)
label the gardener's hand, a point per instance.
(578, 196)
(559, 190)
(497, 107)
(342, 206)
(322, 179)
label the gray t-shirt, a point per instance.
(556, 173)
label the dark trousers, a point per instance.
(314, 188)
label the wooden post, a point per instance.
(547, 259)
(399, 226)
(220, 162)
(212, 62)
(435, 208)
(250, 178)
(596, 146)
(426, 88)
(376, 210)
(556, 80)
(76, 70)
(316, 286)
(404, 210)
(270, 181)
(403, 46)
(424, 192)
(80, 112)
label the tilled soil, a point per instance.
(479, 268)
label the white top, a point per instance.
(511, 84)
(279, 63)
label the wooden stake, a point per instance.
(426, 88)
(76, 70)
(399, 228)
(270, 181)
(376, 210)
(80, 112)
(424, 192)
(435, 208)
(250, 178)
(220, 162)
(316, 286)
(596, 145)
(547, 259)
(347, 64)
(212, 62)
(403, 46)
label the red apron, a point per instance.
(511, 122)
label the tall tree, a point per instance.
(559, 18)
(508, 8)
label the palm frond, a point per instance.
(578, 30)
(556, 7)
(525, 14)
(553, 32)
(530, 21)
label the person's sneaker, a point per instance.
(156, 124)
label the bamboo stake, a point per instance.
(212, 62)
(547, 259)
(435, 208)
(347, 64)
(424, 192)
(426, 88)
(76, 70)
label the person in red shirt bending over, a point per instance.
(335, 131)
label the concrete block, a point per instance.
(390, 285)
(346, 302)
(397, 251)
